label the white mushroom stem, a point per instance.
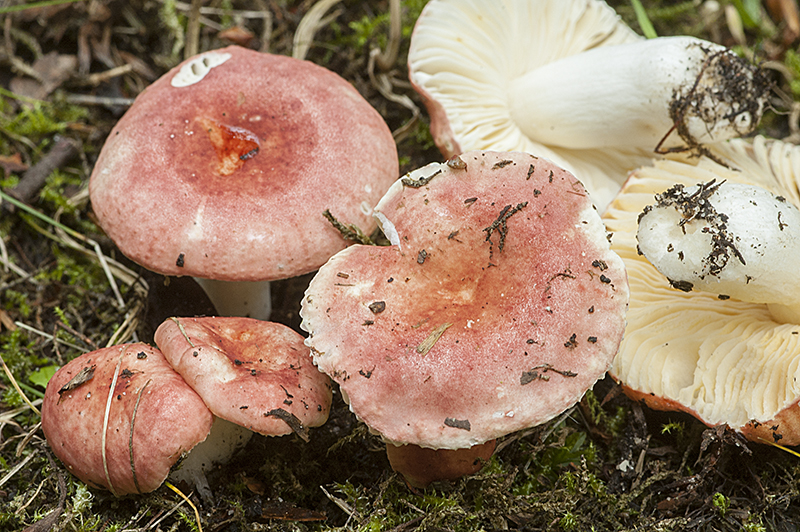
(224, 440)
(633, 94)
(738, 241)
(240, 298)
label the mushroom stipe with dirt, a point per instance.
(568, 80)
(717, 334)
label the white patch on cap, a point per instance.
(197, 68)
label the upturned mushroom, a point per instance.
(731, 239)
(121, 417)
(717, 334)
(496, 306)
(222, 170)
(566, 79)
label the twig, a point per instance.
(90, 99)
(193, 30)
(101, 77)
(36, 176)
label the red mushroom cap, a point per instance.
(497, 306)
(153, 418)
(254, 373)
(226, 175)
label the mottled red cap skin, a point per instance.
(245, 368)
(497, 308)
(169, 420)
(227, 178)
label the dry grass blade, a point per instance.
(189, 502)
(17, 387)
(106, 416)
(311, 22)
(14, 470)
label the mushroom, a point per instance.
(256, 374)
(121, 417)
(496, 306)
(223, 167)
(731, 239)
(252, 375)
(726, 352)
(566, 79)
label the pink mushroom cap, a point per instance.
(257, 374)
(498, 304)
(154, 417)
(223, 167)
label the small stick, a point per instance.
(35, 177)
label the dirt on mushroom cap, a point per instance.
(513, 311)
(254, 373)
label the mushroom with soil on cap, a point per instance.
(566, 79)
(713, 326)
(222, 170)
(499, 280)
(244, 375)
(256, 374)
(121, 417)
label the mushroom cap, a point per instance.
(467, 52)
(154, 417)
(254, 373)
(223, 167)
(497, 306)
(722, 360)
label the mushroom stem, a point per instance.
(420, 466)
(734, 240)
(639, 93)
(240, 298)
(218, 448)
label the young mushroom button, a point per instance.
(516, 298)
(216, 172)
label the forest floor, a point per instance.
(67, 73)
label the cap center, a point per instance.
(234, 145)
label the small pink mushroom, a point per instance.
(121, 417)
(253, 373)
